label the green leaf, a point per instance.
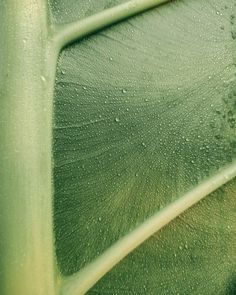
(144, 112)
(95, 193)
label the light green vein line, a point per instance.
(82, 281)
(68, 33)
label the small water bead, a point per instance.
(43, 79)
(233, 34)
(117, 120)
(232, 18)
(124, 91)
(63, 72)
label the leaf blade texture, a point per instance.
(144, 112)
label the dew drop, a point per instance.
(232, 17)
(43, 79)
(124, 91)
(117, 120)
(233, 34)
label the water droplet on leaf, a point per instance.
(43, 79)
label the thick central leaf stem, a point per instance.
(26, 86)
(73, 31)
(82, 281)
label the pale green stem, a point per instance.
(82, 281)
(68, 33)
(26, 86)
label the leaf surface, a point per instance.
(144, 112)
(71, 10)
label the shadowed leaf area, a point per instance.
(144, 112)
